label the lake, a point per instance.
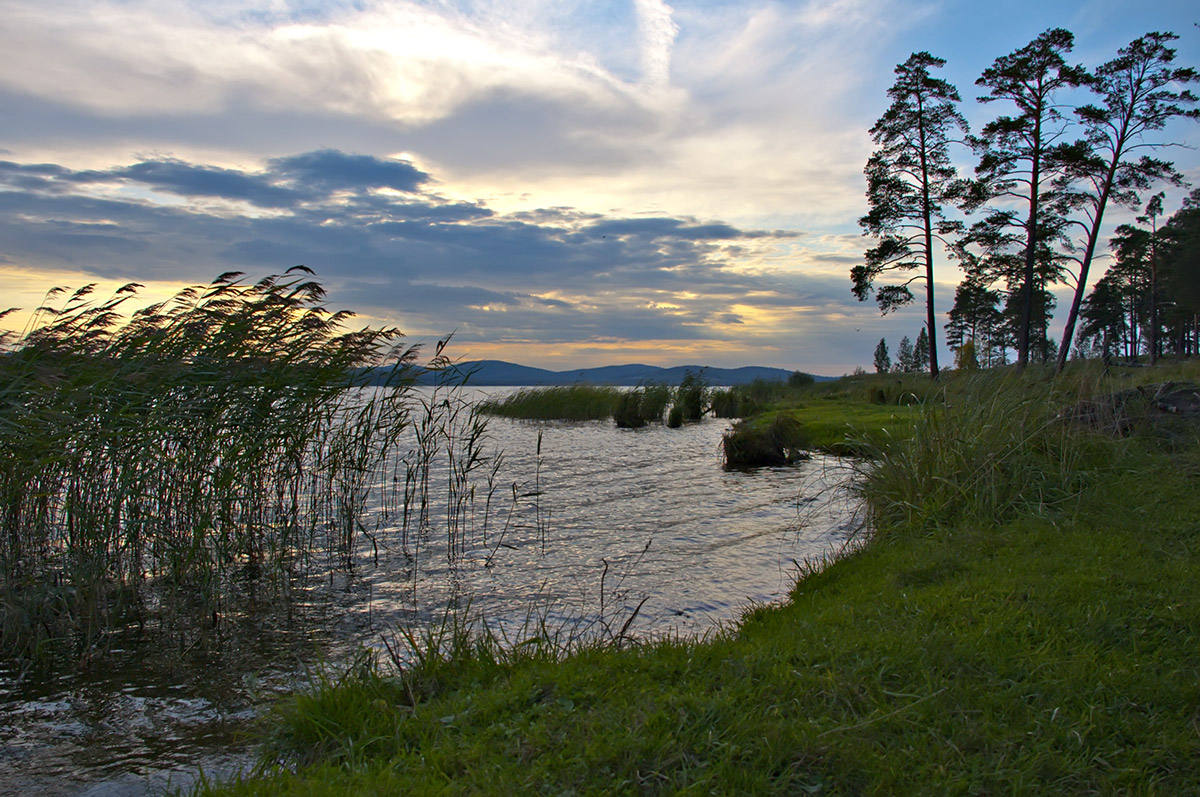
(606, 525)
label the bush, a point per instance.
(800, 380)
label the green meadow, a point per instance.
(1020, 615)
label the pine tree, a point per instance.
(921, 351)
(905, 357)
(883, 362)
(1020, 161)
(1180, 266)
(1136, 97)
(909, 178)
(974, 319)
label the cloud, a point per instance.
(184, 179)
(332, 170)
(287, 182)
(656, 34)
(510, 164)
(555, 275)
(666, 227)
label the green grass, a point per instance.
(986, 640)
(842, 426)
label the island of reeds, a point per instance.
(629, 408)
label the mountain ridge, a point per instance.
(499, 373)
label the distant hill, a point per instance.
(497, 373)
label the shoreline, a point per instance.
(1043, 640)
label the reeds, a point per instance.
(751, 398)
(224, 428)
(578, 402)
(629, 408)
(780, 441)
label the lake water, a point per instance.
(608, 524)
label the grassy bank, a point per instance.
(1024, 620)
(790, 419)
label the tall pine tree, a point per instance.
(909, 178)
(1139, 91)
(1021, 158)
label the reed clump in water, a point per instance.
(220, 429)
(642, 405)
(563, 402)
(691, 399)
(629, 408)
(782, 440)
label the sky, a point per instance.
(559, 183)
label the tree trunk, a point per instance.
(927, 211)
(1030, 249)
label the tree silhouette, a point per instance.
(1153, 211)
(1179, 263)
(921, 351)
(1136, 97)
(905, 357)
(883, 362)
(1119, 304)
(909, 178)
(975, 319)
(1020, 157)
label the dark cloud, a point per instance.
(331, 170)
(288, 182)
(37, 177)
(383, 207)
(509, 131)
(184, 179)
(552, 275)
(670, 228)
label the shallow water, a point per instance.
(625, 523)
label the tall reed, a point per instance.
(225, 428)
(578, 402)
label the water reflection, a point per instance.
(621, 519)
